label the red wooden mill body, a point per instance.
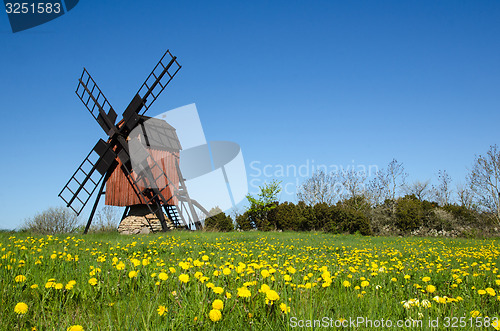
(164, 150)
(119, 192)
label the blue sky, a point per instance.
(329, 82)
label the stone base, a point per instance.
(136, 222)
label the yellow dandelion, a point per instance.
(475, 313)
(264, 288)
(132, 274)
(218, 304)
(184, 278)
(272, 295)
(244, 292)
(430, 288)
(21, 308)
(162, 310)
(163, 276)
(93, 281)
(215, 315)
(75, 328)
(20, 278)
(346, 283)
(217, 290)
(284, 308)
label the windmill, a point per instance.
(140, 151)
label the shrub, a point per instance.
(219, 221)
(348, 220)
(285, 216)
(409, 213)
(244, 222)
(52, 221)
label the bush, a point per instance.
(409, 213)
(219, 221)
(52, 221)
(348, 220)
(322, 216)
(285, 216)
(244, 222)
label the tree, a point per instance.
(218, 221)
(419, 189)
(320, 188)
(261, 205)
(353, 184)
(442, 192)
(52, 221)
(465, 195)
(485, 181)
(387, 183)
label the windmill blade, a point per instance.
(80, 187)
(156, 82)
(96, 103)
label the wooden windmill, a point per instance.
(139, 162)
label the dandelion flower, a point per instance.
(215, 315)
(184, 278)
(264, 288)
(21, 308)
(75, 328)
(491, 291)
(218, 304)
(481, 292)
(272, 295)
(346, 283)
(243, 292)
(475, 313)
(218, 290)
(430, 288)
(162, 310)
(132, 274)
(163, 276)
(284, 308)
(426, 279)
(92, 281)
(20, 278)
(365, 283)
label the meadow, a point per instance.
(247, 281)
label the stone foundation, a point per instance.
(136, 222)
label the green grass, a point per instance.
(306, 270)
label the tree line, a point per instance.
(350, 202)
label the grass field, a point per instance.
(251, 280)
